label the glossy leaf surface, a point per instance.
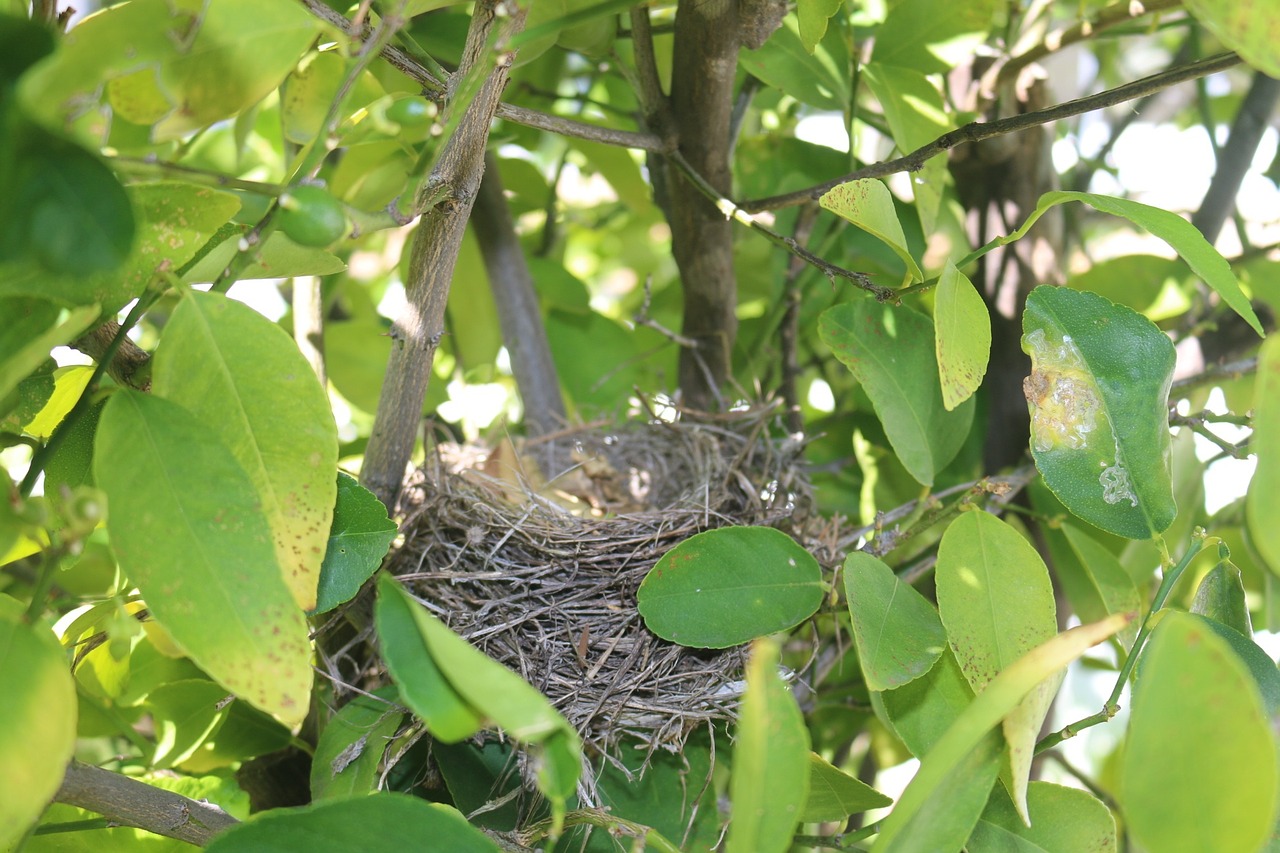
(359, 538)
(1098, 392)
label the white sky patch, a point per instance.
(1226, 480)
(824, 129)
(262, 296)
(820, 396)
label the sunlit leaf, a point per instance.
(1199, 767)
(813, 16)
(379, 823)
(723, 587)
(834, 794)
(1262, 510)
(869, 205)
(770, 776)
(891, 352)
(1220, 597)
(818, 77)
(1249, 27)
(244, 377)
(203, 557)
(963, 342)
(1063, 820)
(37, 720)
(1099, 391)
(897, 631)
(932, 36)
(186, 714)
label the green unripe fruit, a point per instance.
(312, 217)
(412, 112)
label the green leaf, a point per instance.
(996, 601)
(279, 257)
(423, 687)
(891, 352)
(178, 66)
(834, 794)
(963, 343)
(921, 711)
(68, 385)
(869, 205)
(477, 689)
(813, 16)
(1220, 597)
(186, 713)
(1260, 665)
(932, 36)
(380, 823)
(1199, 769)
(723, 587)
(1094, 581)
(1262, 510)
(818, 77)
(770, 777)
(1003, 694)
(23, 42)
(358, 540)
(351, 745)
(186, 526)
(1063, 820)
(1098, 392)
(32, 328)
(1249, 27)
(1185, 239)
(243, 376)
(897, 631)
(37, 720)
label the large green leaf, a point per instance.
(770, 777)
(1199, 769)
(996, 601)
(818, 77)
(897, 631)
(834, 794)
(37, 720)
(350, 748)
(1093, 579)
(1262, 510)
(1063, 820)
(724, 587)
(869, 205)
(1249, 27)
(473, 689)
(187, 527)
(358, 540)
(1185, 239)
(932, 36)
(1003, 695)
(176, 65)
(381, 823)
(963, 344)
(891, 352)
(243, 376)
(1098, 392)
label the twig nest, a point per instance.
(535, 554)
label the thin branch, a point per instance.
(741, 215)
(789, 332)
(1215, 373)
(1110, 16)
(978, 131)
(149, 166)
(129, 802)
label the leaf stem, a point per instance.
(1112, 706)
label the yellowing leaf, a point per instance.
(963, 339)
(869, 205)
(1262, 508)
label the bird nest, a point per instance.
(535, 555)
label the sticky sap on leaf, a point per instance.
(1067, 409)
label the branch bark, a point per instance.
(133, 803)
(705, 62)
(519, 314)
(417, 332)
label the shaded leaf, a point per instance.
(975, 723)
(37, 720)
(1249, 27)
(1199, 769)
(243, 376)
(813, 16)
(963, 342)
(723, 587)
(379, 823)
(186, 713)
(770, 776)
(897, 631)
(1095, 582)
(932, 36)
(1262, 510)
(350, 748)
(834, 794)
(891, 352)
(278, 257)
(203, 558)
(32, 328)
(818, 77)
(869, 205)
(1063, 820)
(1220, 597)
(1098, 391)
(359, 538)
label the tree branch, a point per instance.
(452, 188)
(132, 803)
(978, 131)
